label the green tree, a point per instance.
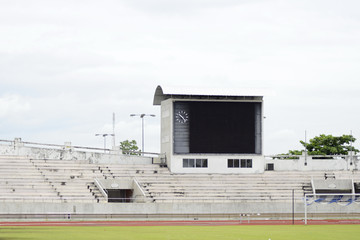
(295, 152)
(129, 147)
(330, 145)
(292, 154)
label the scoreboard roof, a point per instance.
(163, 93)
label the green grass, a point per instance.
(318, 232)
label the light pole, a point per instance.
(104, 135)
(142, 115)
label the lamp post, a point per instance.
(142, 115)
(104, 135)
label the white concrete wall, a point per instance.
(118, 183)
(217, 163)
(125, 183)
(347, 163)
(166, 129)
(171, 208)
(17, 148)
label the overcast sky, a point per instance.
(66, 66)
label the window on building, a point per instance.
(195, 163)
(246, 163)
(202, 163)
(188, 163)
(233, 163)
(239, 163)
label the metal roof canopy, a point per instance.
(162, 94)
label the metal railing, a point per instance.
(90, 149)
(47, 145)
(145, 199)
(287, 156)
(65, 199)
(101, 188)
(333, 198)
(48, 199)
(139, 187)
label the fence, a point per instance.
(328, 206)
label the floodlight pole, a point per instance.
(104, 135)
(142, 115)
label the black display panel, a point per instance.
(222, 127)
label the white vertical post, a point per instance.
(142, 127)
(305, 209)
(142, 134)
(351, 151)
(305, 150)
(293, 207)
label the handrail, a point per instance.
(56, 199)
(312, 185)
(312, 156)
(100, 187)
(167, 199)
(57, 145)
(108, 150)
(138, 185)
(48, 199)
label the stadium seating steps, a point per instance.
(24, 179)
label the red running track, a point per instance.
(179, 223)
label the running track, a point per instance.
(179, 223)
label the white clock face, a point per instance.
(182, 116)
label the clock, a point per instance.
(182, 116)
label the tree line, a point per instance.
(319, 145)
(327, 145)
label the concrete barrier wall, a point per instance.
(310, 163)
(17, 148)
(171, 208)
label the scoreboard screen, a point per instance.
(217, 127)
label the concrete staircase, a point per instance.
(73, 181)
(23, 179)
(20, 181)
(270, 186)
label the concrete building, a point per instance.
(211, 131)
(213, 143)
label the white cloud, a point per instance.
(66, 66)
(181, 7)
(282, 134)
(11, 105)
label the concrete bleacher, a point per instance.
(20, 181)
(26, 179)
(270, 186)
(119, 170)
(72, 180)
(161, 186)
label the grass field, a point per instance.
(318, 232)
